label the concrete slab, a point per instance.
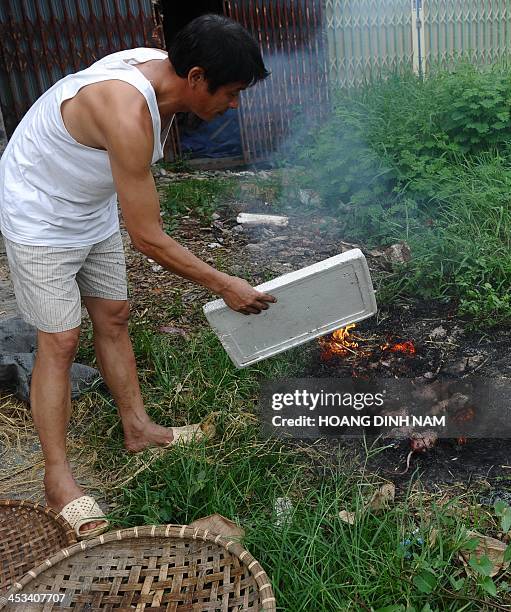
(312, 302)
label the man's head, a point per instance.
(219, 58)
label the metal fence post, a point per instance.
(418, 36)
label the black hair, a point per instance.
(222, 48)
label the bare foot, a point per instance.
(147, 435)
(61, 488)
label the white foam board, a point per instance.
(311, 302)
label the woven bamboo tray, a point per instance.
(29, 534)
(152, 568)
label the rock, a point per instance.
(238, 229)
(438, 333)
(398, 253)
(214, 245)
(215, 216)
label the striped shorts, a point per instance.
(50, 281)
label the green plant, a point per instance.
(197, 196)
(427, 162)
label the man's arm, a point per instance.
(129, 142)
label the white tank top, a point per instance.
(55, 191)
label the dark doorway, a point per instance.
(220, 138)
(177, 14)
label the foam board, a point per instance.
(312, 302)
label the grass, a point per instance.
(198, 196)
(315, 560)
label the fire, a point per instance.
(401, 347)
(340, 343)
(343, 343)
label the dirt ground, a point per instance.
(443, 344)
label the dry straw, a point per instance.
(170, 567)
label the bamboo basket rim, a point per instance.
(43, 509)
(183, 532)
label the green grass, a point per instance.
(314, 559)
(414, 175)
(201, 197)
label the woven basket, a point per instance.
(172, 568)
(29, 534)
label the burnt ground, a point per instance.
(444, 351)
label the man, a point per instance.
(88, 141)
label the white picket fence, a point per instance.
(370, 37)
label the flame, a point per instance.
(343, 343)
(340, 343)
(406, 347)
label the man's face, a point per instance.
(209, 106)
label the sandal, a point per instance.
(81, 511)
(186, 434)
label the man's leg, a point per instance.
(116, 361)
(50, 401)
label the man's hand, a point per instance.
(242, 297)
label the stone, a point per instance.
(438, 333)
(398, 253)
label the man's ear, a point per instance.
(196, 76)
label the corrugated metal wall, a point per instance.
(43, 40)
(290, 34)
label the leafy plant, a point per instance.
(427, 162)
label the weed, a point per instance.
(200, 197)
(428, 162)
